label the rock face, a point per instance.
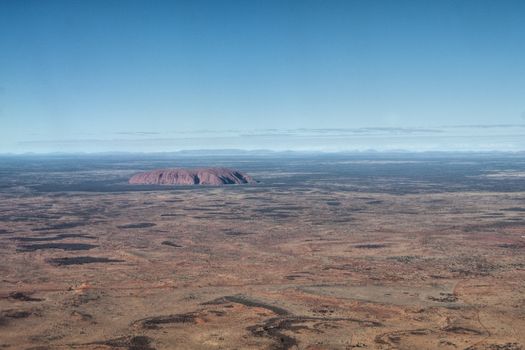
(200, 176)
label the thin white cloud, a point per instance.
(497, 137)
(138, 133)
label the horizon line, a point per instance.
(206, 151)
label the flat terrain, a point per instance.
(326, 252)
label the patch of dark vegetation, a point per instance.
(8, 315)
(355, 209)
(274, 328)
(333, 203)
(231, 232)
(237, 218)
(493, 215)
(60, 226)
(138, 225)
(171, 244)
(199, 209)
(472, 266)
(516, 219)
(62, 246)
(403, 258)
(506, 346)
(394, 338)
(519, 209)
(511, 245)
(20, 296)
(420, 332)
(264, 199)
(293, 277)
(11, 218)
(438, 277)
(55, 238)
(444, 298)
(3, 231)
(81, 260)
(86, 297)
(239, 299)
(462, 330)
(155, 322)
(520, 266)
(370, 246)
(218, 313)
(280, 208)
(84, 316)
(264, 210)
(342, 220)
(272, 213)
(218, 301)
(139, 342)
(323, 310)
(444, 342)
(173, 200)
(375, 202)
(170, 215)
(519, 220)
(493, 226)
(32, 217)
(16, 314)
(290, 207)
(279, 215)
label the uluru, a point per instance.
(198, 176)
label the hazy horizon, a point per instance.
(465, 138)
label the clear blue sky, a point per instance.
(167, 75)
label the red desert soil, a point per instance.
(199, 176)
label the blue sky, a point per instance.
(302, 75)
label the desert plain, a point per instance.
(368, 251)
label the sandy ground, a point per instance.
(262, 269)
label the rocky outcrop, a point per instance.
(200, 176)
